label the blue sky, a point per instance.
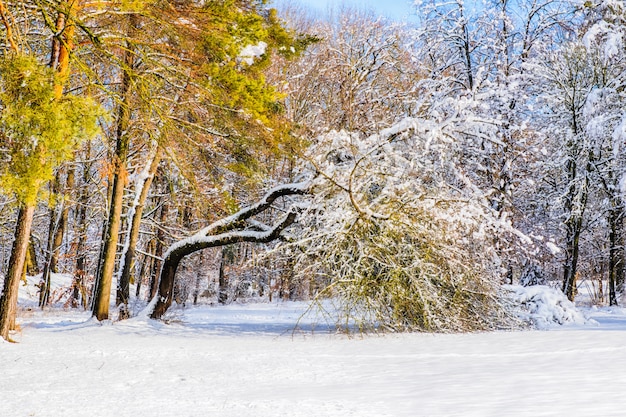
(395, 9)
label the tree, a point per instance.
(356, 75)
(604, 122)
(401, 238)
(232, 229)
(61, 48)
(38, 131)
(192, 80)
(122, 147)
(568, 81)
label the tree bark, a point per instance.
(571, 257)
(56, 232)
(105, 274)
(44, 292)
(32, 268)
(81, 237)
(220, 233)
(159, 249)
(103, 288)
(59, 231)
(222, 283)
(123, 288)
(8, 301)
(176, 255)
(575, 205)
(616, 251)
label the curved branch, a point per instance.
(175, 256)
(233, 221)
(221, 233)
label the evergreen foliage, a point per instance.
(38, 132)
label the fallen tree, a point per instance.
(232, 229)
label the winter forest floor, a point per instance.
(246, 360)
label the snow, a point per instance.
(247, 360)
(249, 52)
(554, 249)
(543, 306)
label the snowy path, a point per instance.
(243, 361)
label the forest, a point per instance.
(207, 152)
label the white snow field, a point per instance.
(245, 360)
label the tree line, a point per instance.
(432, 162)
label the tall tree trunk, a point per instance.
(59, 231)
(56, 232)
(616, 251)
(576, 203)
(570, 268)
(8, 301)
(128, 255)
(31, 268)
(159, 249)
(44, 285)
(222, 292)
(81, 237)
(61, 48)
(107, 264)
(146, 266)
(103, 288)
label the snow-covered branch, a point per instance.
(229, 230)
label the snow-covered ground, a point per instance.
(245, 360)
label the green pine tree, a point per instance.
(38, 131)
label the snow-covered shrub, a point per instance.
(542, 306)
(402, 239)
(532, 274)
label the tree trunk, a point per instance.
(56, 232)
(107, 265)
(44, 285)
(225, 236)
(32, 268)
(81, 237)
(616, 252)
(128, 254)
(59, 231)
(146, 266)
(571, 258)
(62, 45)
(575, 205)
(159, 249)
(103, 288)
(8, 301)
(222, 282)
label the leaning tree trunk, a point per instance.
(174, 256)
(221, 233)
(8, 301)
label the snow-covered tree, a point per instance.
(605, 124)
(400, 236)
(358, 75)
